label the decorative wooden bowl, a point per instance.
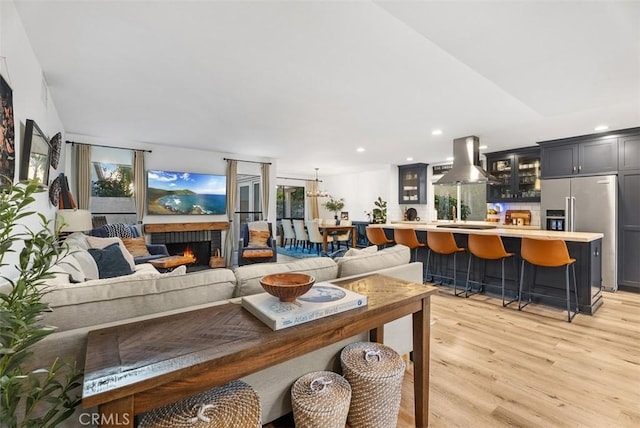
(287, 286)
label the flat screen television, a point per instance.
(173, 192)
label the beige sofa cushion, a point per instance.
(144, 292)
(389, 257)
(248, 276)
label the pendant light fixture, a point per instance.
(317, 193)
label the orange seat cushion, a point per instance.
(250, 254)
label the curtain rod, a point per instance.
(247, 161)
(108, 147)
(299, 179)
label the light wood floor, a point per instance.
(497, 367)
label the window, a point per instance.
(473, 201)
(112, 184)
(111, 180)
(290, 202)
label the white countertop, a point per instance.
(502, 230)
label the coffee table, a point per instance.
(171, 262)
(133, 368)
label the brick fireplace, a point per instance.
(202, 239)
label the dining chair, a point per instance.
(344, 237)
(288, 232)
(301, 234)
(315, 236)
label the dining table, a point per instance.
(336, 229)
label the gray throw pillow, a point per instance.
(110, 261)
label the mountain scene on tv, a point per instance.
(171, 192)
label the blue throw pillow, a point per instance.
(110, 261)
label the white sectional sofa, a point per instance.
(78, 308)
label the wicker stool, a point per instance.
(320, 399)
(375, 373)
(235, 404)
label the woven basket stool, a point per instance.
(320, 399)
(235, 404)
(375, 374)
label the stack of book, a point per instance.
(322, 300)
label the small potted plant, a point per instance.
(380, 211)
(335, 206)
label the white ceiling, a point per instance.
(309, 82)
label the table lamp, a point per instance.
(74, 221)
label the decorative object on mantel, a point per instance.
(317, 193)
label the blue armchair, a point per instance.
(257, 244)
(121, 230)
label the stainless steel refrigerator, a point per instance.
(585, 204)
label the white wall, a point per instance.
(361, 189)
(21, 69)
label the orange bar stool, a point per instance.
(444, 244)
(551, 253)
(488, 247)
(409, 238)
(376, 236)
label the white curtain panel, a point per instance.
(232, 196)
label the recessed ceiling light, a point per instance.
(601, 128)
(360, 149)
(436, 132)
(485, 147)
(450, 158)
(409, 158)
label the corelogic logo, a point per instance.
(111, 419)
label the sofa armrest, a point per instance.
(156, 249)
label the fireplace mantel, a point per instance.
(185, 227)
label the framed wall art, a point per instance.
(7, 130)
(36, 153)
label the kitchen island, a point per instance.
(585, 247)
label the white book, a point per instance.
(322, 300)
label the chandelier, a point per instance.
(317, 193)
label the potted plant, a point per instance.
(43, 397)
(380, 211)
(335, 206)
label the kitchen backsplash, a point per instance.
(533, 207)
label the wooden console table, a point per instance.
(136, 367)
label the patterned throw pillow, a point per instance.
(110, 261)
(118, 229)
(136, 246)
(258, 238)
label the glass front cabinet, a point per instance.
(518, 175)
(412, 180)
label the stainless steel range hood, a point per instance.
(466, 161)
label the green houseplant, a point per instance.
(380, 211)
(42, 397)
(335, 206)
